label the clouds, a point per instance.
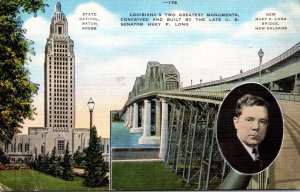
(37, 29)
(105, 36)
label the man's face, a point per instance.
(252, 124)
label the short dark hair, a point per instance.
(249, 100)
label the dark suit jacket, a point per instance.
(239, 159)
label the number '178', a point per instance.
(171, 2)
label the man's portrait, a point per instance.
(249, 128)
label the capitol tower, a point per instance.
(59, 102)
(59, 75)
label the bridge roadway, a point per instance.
(215, 97)
(203, 96)
(285, 173)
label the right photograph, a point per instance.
(249, 128)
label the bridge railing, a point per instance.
(270, 63)
(196, 94)
(222, 95)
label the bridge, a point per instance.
(181, 120)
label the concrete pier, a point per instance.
(147, 138)
(164, 130)
(135, 128)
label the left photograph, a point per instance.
(57, 152)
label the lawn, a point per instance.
(144, 176)
(30, 180)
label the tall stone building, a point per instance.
(59, 101)
(59, 75)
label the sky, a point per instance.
(108, 60)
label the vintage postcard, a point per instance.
(150, 95)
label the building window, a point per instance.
(20, 147)
(26, 147)
(102, 148)
(107, 148)
(60, 145)
(42, 149)
(13, 147)
(59, 30)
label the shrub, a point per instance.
(67, 165)
(95, 172)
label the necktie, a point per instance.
(257, 157)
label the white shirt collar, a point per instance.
(249, 149)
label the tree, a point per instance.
(116, 117)
(95, 173)
(37, 164)
(67, 165)
(45, 166)
(16, 89)
(3, 157)
(79, 157)
(55, 167)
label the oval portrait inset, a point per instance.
(249, 128)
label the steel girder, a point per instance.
(192, 147)
(212, 164)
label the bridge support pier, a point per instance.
(135, 128)
(131, 117)
(147, 138)
(126, 117)
(164, 129)
(157, 118)
(297, 84)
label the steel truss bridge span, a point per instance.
(204, 96)
(191, 146)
